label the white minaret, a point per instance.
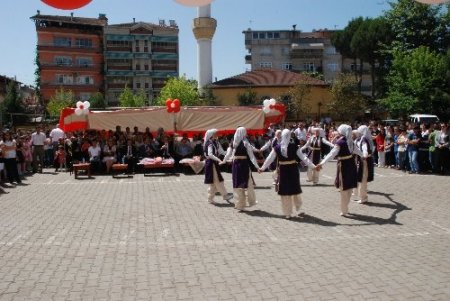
(204, 28)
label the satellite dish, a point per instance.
(194, 2)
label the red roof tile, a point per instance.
(265, 77)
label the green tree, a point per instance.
(415, 24)
(346, 104)
(368, 44)
(97, 101)
(298, 97)
(140, 99)
(179, 88)
(12, 102)
(37, 74)
(418, 83)
(62, 99)
(126, 98)
(247, 98)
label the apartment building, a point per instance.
(141, 56)
(70, 53)
(298, 51)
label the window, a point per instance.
(63, 60)
(286, 66)
(333, 66)
(62, 42)
(265, 64)
(145, 43)
(64, 79)
(84, 61)
(330, 50)
(262, 35)
(276, 35)
(85, 80)
(146, 67)
(309, 67)
(270, 35)
(83, 43)
(265, 51)
(354, 67)
(138, 67)
(147, 85)
(85, 96)
(255, 35)
(138, 85)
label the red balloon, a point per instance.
(271, 107)
(177, 109)
(67, 4)
(168, 102)
(169, 109)
(176, 101)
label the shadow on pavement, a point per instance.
(303, 219)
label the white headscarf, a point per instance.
(285, 139)
(321, 132)
(240, 134)
(208, 135)
(364, 131)
(346, 131)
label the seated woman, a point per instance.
(183, 149)
(109, 154)
(95, 153)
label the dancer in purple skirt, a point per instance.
(242, 155)
(346, 177)
(365, 164)
(212, 149)
(289, 175)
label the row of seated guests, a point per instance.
(103, 153)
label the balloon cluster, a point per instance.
(82, 108)
(173, 105)
(66, 4)
(271, 104)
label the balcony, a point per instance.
(118, 55)
(165, 56)
(164, 68)
(119, 86)
(164, 49)
(71, 67)
(119, 48)
(68, 48)
(119, 67)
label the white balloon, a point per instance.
(86, 104)
(266, 102)
(79, 103)
(273, 101)
(266, 110)
(432, 1)
(78, 111)
(194, 2)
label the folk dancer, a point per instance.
(241, 152)
(272, 144)
(213, 177)
(346, 177)
(289, 175)
(365, 163)
(315, 144)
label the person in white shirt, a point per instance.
(8, 147)
(95, 152)
(37, 141)
(55, 135)
(300, 133)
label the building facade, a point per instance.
(298, 51)
(70, 51)
(140, 56)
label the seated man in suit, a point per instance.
(130, 156)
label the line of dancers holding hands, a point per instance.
(354, 166)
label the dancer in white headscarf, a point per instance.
(316, 146)
(274, 142)
(242, 154)
(212, 149)
(365, 166)
(289, 175)
(346, 178)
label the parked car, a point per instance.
(423, 118)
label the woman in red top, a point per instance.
(379, 139)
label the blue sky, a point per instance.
(18, 33)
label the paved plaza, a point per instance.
(157, 238)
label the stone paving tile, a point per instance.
(156, 238)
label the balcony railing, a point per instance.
(62, 47)
(58, 66)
